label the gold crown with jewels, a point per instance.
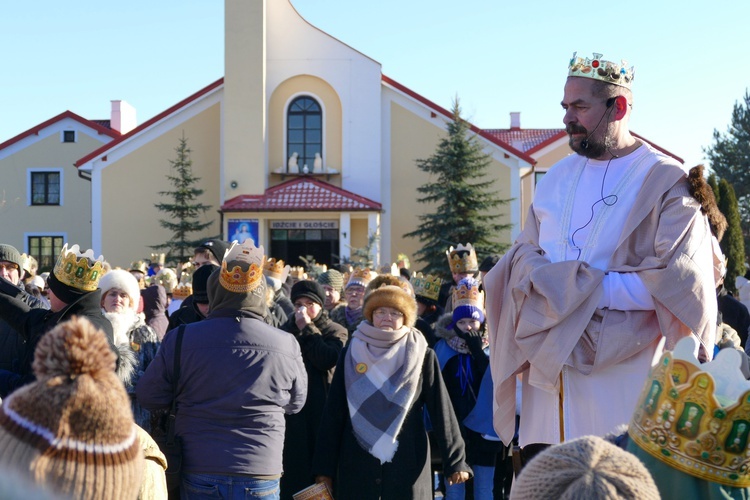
(467, 293)
(236, 280)
(158, 258)
(696, 418)
(276, 269)
(597, 68)
(79, 270)
(182, 291)
(167, 278)
(427, 286)
(462, 259)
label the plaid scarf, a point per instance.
(381, 374)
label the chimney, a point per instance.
(123, 117)
(515, 120)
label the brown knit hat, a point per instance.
(72, 430)
(391, 296)
(587, 467)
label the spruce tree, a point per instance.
(730, 159)
(732, 244)
(184, 209)
(463, 200)
(714, 186)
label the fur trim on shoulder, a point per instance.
(441, 327)
(702, 192)
(126, 366)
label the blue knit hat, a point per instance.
(468, 301)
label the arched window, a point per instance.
(304, 131)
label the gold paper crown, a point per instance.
(276, 269)
(696, 418)
(183, 291)
(467, 293)
(298, 273)
(29, 264)
(236, 280)
(158, 258)
(74, 269)
(167, 278)
(360, 277)
(462, 259)
(140, 266)
(427, 286)
(599, 69)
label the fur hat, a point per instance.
(332, 278)
(72, 430)
(122, 280)
(310, 289)
(391, 296)
(587, 467)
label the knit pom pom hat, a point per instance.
(72, 430)
(587, 467)
(391, 296)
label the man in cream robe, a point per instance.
(615, 260)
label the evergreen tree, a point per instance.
(730, 159)
(184, 209)
(462, 199)
(714, 186)
(732, 244)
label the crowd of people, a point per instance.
(512, 379)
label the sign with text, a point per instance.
(304, 224)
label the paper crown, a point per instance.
(427, 286)
(361, 277)
(236, 280)
(276, 269)
(467, 293)
(158, 258)
(75, 269)
(29, 263)
(599, 69)
(182, 291)
(696, 418)
(167, 278)
(462, 259)
(298, 273)
(139, 265)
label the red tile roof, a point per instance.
(148, 123)
(302, 194)
(445, 112)
(66, 114)
(526, 139)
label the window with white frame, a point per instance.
(46, 187)
(45, 250)
(304, 131)
(69, 136)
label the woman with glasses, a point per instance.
(349, 314)
(373, 442)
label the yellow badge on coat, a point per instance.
(361, 368)
(135, 346)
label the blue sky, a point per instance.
(497, 56)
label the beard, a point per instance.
(596, 146)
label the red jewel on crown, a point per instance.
(595, 63)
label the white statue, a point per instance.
(305, 170)
(318, 164)
(292, 166)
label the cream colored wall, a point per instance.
(560, 151)
(244, 131)
(130, 221)
(332, 131)
(73, 218)
(413, 138)
(359, 233)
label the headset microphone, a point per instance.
(585, 142)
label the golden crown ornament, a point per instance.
(597, 68)
(81, 271)
(236, 280)
(467, 294)
(462, 259)
(167, 278)
(182, 291)
(427, 286)
(696, 417)
(276, 269)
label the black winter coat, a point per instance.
(12, 343)
(359, 475)
(32, 324)
(321, 342)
